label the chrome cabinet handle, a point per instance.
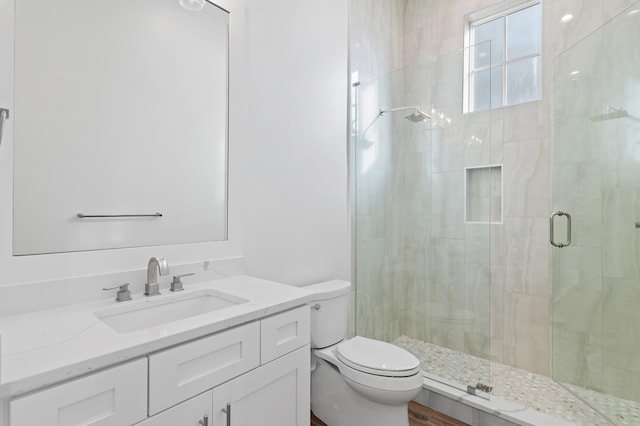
(317, 306)
(4, 115)
(227, 411)
(204, 421)
(551, 219)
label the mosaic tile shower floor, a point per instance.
(532, 390)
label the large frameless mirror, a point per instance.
(120, 124)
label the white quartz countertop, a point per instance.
(45, 347)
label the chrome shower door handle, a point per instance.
(551, 236)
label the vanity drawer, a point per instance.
(113, 397)
(184, 371)
(284, 333)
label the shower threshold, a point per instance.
(517, 396)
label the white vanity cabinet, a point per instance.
(276, 394)
(181, 372)
(194, 412)
(274, 390)
(258, 373)
(112, 397)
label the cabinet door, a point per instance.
(113, 397)
(193, 412)
(3, 411)
(184, 371)
(276, 394)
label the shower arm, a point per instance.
(415, 107)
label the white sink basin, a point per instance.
(157, 310)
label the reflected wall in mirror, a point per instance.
(121, 108)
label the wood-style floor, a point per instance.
(419, 415)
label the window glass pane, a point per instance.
(523, 81)
(481, 90)
(482, 54)
(487, 89)
(496, 87)
(523, 32)
(486, 54)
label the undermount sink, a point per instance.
(158, 310)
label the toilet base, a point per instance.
(337, 404)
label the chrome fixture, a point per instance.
(176, 284)
(123, 293)
(484, 388)
(87, 216)
(417, 116)
(474, 390)
(4, 115)
(192, 5)
(551, 236)
(156, 264)
(613, 114)
(227, 411)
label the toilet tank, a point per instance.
(329, 312)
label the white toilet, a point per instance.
(358, 381)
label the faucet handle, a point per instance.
(123, 293)
(176, 284)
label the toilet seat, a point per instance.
(382, 383)
(377, 357)
(381, 380)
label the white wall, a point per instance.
(296, 225)
(288, 188)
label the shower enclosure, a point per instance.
(429, 238)
(596, 179)
(427, 194)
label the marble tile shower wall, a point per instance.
(412, 246)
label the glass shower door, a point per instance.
(425, 205)
(596, 179)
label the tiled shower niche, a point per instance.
(483, 194)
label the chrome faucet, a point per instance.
(156, 264)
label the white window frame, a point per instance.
(483, 16)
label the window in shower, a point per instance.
(503, 66)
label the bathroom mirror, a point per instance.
(120, 124)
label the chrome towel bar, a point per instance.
(87, 216)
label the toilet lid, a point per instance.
(376, 357)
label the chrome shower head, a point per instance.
(417, 116)
(611, 115)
